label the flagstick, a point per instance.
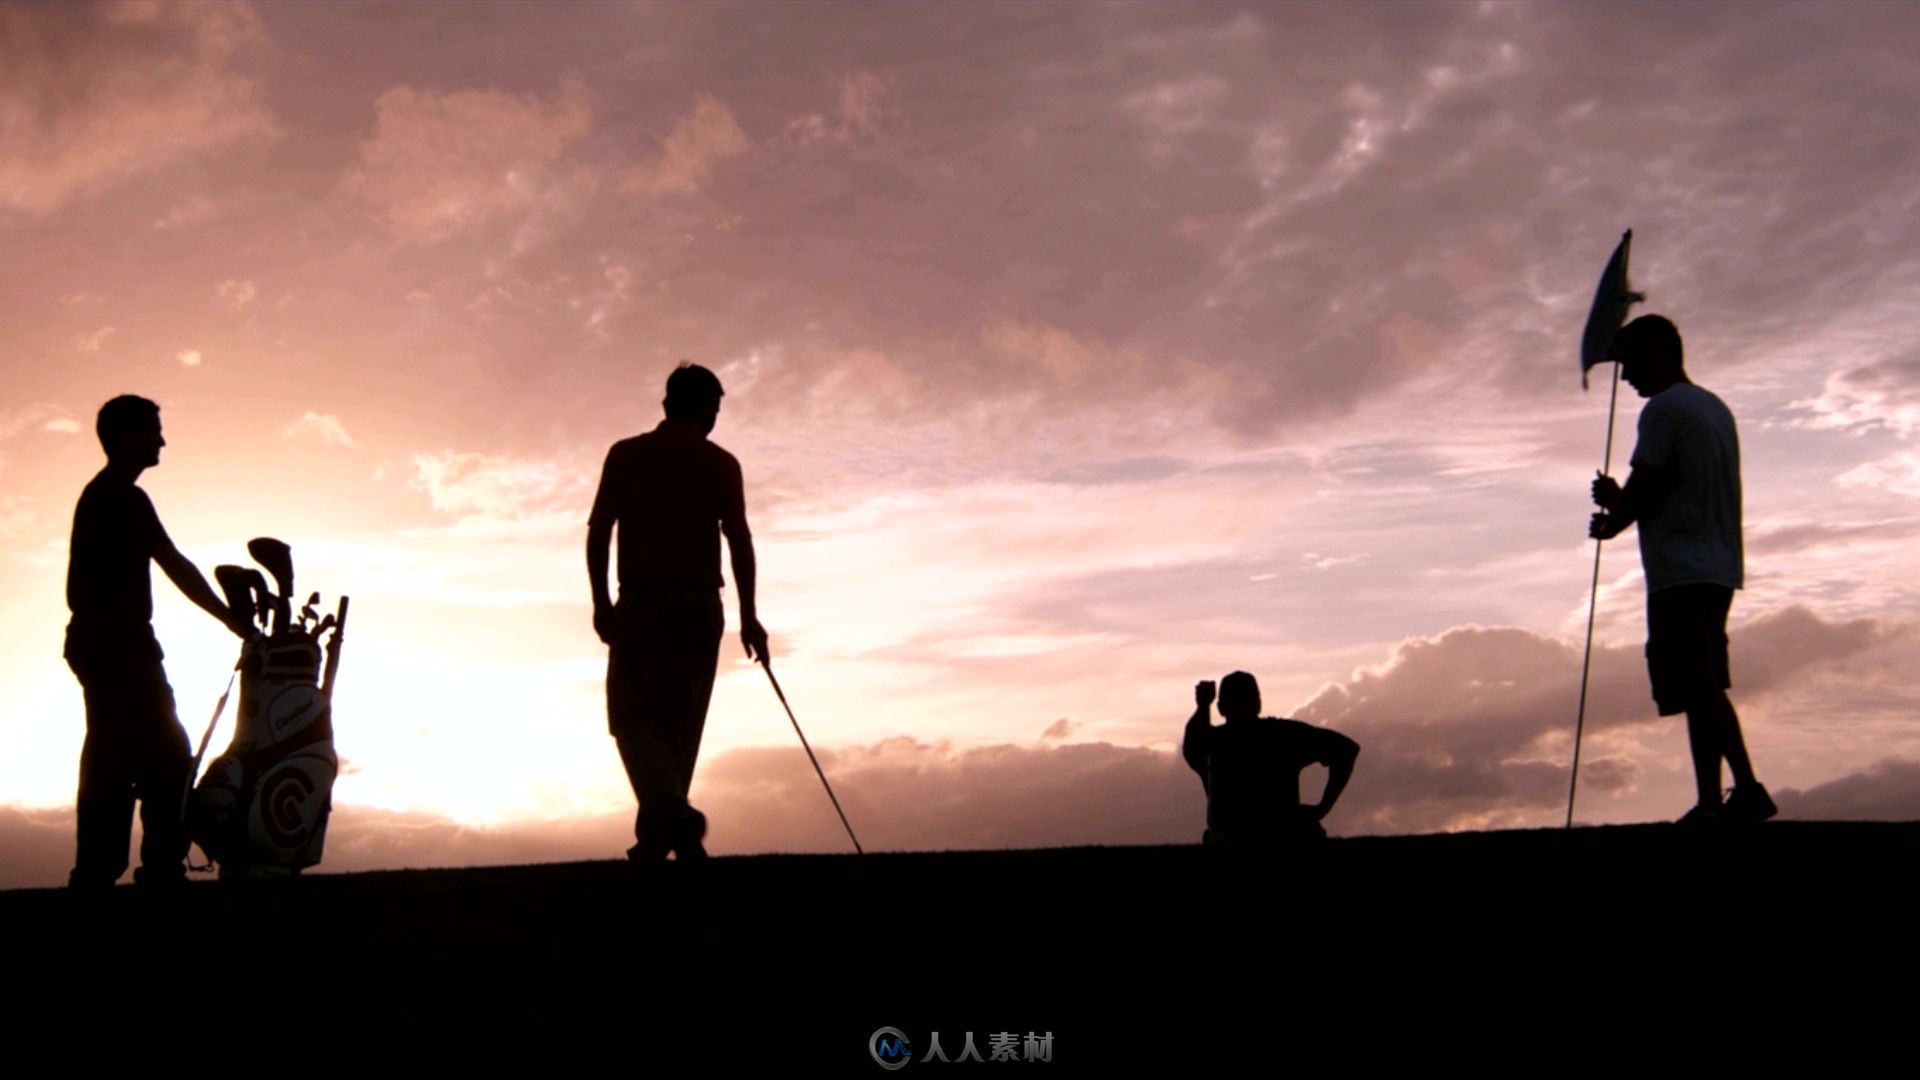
(1593, 599)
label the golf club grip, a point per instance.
(333, 649)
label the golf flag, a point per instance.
(1610, 303)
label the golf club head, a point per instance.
(237, 589)
(277, 558)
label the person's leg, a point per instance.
(1733, 745)
(103, 812)
(648, 762)
(696, 659)
(692, 653)
(1685, 679)
(1704, 725)
(103, 802)
(646, 706)
(160, 781)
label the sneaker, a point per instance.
(1704, 815)
(693, 829)
(647, 852)
(1750, 803)
(160, 876)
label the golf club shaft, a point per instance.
(816, 761)
(193, 769)
(1593, 602)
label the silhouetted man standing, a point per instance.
(135, 747)
(1684, 492)
(1250, 767)
(673, 494)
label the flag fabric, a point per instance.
(1610, 303)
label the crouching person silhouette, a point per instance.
(1250, 767)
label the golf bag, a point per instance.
(261, 809)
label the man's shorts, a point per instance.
(1687, 644)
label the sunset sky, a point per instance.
(1073, 353)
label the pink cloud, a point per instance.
(95, 94)
(439, 163)
(691, 151)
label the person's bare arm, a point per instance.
(1338, 753)
(187, 578)
(1621, 507)
(753, 636)
(599, 539)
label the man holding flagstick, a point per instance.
(1684, 494)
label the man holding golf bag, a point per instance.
(673, 493)
(135, 747)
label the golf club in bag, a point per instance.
(261, 809)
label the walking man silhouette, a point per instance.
(673, 494)
(1684, 493)
(135, 747)
(1250, 767)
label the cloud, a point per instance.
(1471, 728)
(41, 414)
(15, 517)
(94, 341)
(197, 210)
(1898, 473)
(687, 158)
(899, 794)
(188, 357)
(235, 293)
(439, 163)
(94, 94)
(861, 103)
(1884, 395)
(1886, 791)
(36, 847)
(322, 426)
(907, 794)
(489, 485)
(1170, 110)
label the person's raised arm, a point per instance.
(1337, 753)
(187, 578)
(1193, 744)
(733, 525)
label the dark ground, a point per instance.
(1790, 947)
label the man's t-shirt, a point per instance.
(1252, 770)
(116, 533)
(670, 491)
(1692, 535)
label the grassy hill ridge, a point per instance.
(1539, 952)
